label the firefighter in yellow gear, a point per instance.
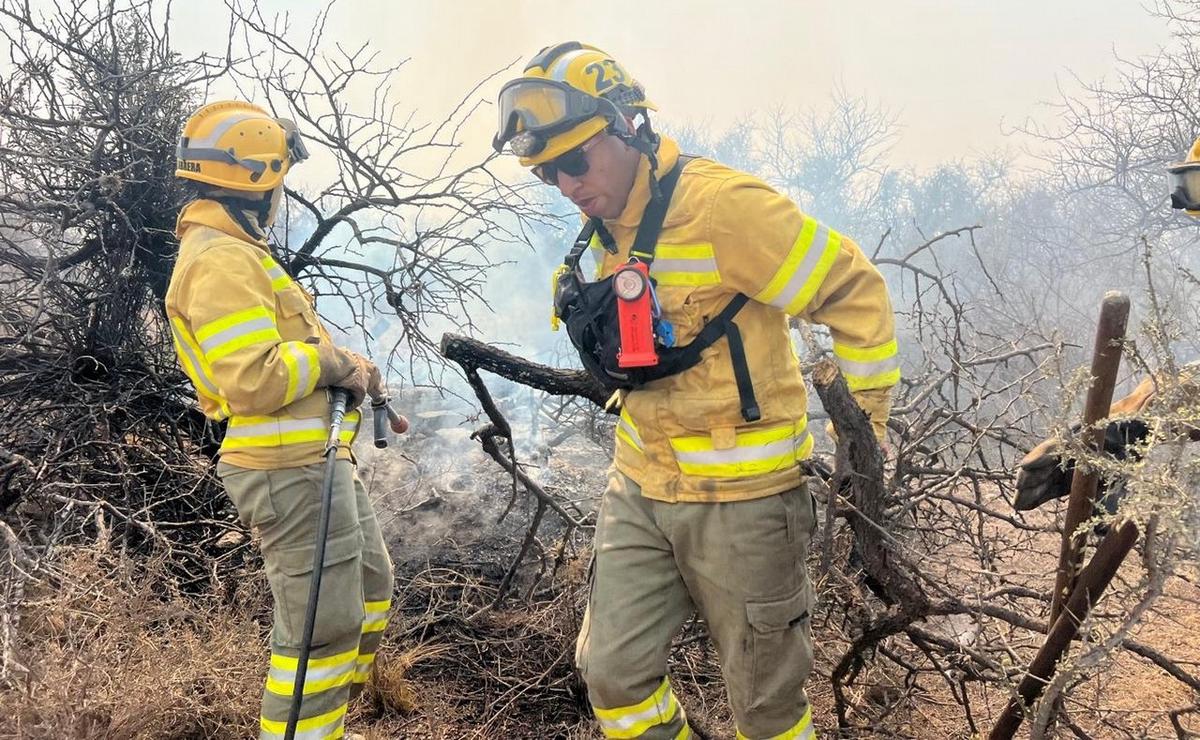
(707, 506)
(248, 337)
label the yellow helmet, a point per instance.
(1184, 182)
(237, 145)
(568, 93)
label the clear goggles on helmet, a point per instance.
(297, 152)
(533, 110)
(1183, 179)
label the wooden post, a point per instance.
(1106, 358)
(1091, 584)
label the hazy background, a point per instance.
(955, 73)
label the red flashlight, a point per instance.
(631, 282)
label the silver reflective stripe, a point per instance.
(201, 376)
(630, 431)
(233, 120)
(684, 265)
(276, 427)
(235, 331)
(558, 72)
(304, 366)
(741, 454)
(275, 272)
(316, 733)
(868, 369)
(314, 675)
(804, 270)
(661, 711)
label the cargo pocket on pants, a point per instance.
(340, 606)
(781, 659)
(250, 491)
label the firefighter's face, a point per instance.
(603, 187)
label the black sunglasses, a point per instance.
(573, 163)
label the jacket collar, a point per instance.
(213, 215)
(639, 195)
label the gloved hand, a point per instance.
(341, 368)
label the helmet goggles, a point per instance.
(534, 110)
(1184, 182)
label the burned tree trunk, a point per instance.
(473, 354)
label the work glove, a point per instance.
(341, 368)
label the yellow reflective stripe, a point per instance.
(628, 722)
(322, 674)
(871, 382)
(869, 367)
(802, 730)
(287, 662)
(754, 452)
(362, 669)
(328, 725)
(279, 278)
(241, 329)
(276, 431)
(685, 265)
(865, 354)
(597, 249)
(627, 432)
(349, 427)
(229, 321)
(804, 269)
(271, 431)
(375, 617)
(303, 368)
(684, 734)
(192, 360)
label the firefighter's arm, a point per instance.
(769, 250)
(229, 305)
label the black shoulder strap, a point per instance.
(648, 230)
(681, 358)
(655, 213)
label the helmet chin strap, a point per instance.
(645, 141)
(237, 207)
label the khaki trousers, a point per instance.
(356, 589)
(741, 565)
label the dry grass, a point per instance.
(114, 652)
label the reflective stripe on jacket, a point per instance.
(683, 438)
(240, 326)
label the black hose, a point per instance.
(339, 399)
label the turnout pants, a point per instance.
(741, 565)
(356, 589)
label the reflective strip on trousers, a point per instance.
(869, 367)
(802, 730)
(279, 278)
(362, 669)
(323, 673)
(629, 722)
(376, 615)
(237, 330)
(627, 432)
(328, 725)
(685, 265)
(804, 269)
(754, 452)
(269, 431)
